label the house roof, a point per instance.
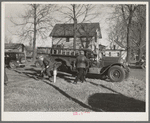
(84, 30)
(13, 45)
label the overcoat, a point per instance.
(81, 61)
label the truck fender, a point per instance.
(64, 60)
(105, 69)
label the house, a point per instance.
(86, 33)
(15, 47)
(83, 30)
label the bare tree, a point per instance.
(78, 13)
(117, 36)
(127, 12)
(35, 22)
(124, 15)
(138, 30)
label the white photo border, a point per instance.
(68, 116)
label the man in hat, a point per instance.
(47, 67)
(81, 65)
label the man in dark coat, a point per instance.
(48, 65)
(81, 65)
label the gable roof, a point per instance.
(84, 30)
(13, 45)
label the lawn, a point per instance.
(26, 94)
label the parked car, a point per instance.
(141, 63)
(114, 68)
(14, 59)
(138, 63)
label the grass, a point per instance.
(24, 93)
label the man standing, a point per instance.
(48, 65)
(81, 65)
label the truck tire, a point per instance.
(22, 60)
(116, 74)
(37, 64)
(12, 65)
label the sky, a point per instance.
(13, 10)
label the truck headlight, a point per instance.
(126, 63)
(122, 61)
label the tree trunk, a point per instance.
(34, 37)
(128, 25)
(75, 27)
(75, 34)
(128, 45)
(140, 49)
(128, 34)
(139, 54)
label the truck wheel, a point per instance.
(37, 64)
(12, 65)
(116, 74)
(22, 60)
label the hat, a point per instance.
(81, 52)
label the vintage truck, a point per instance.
(114, 68)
